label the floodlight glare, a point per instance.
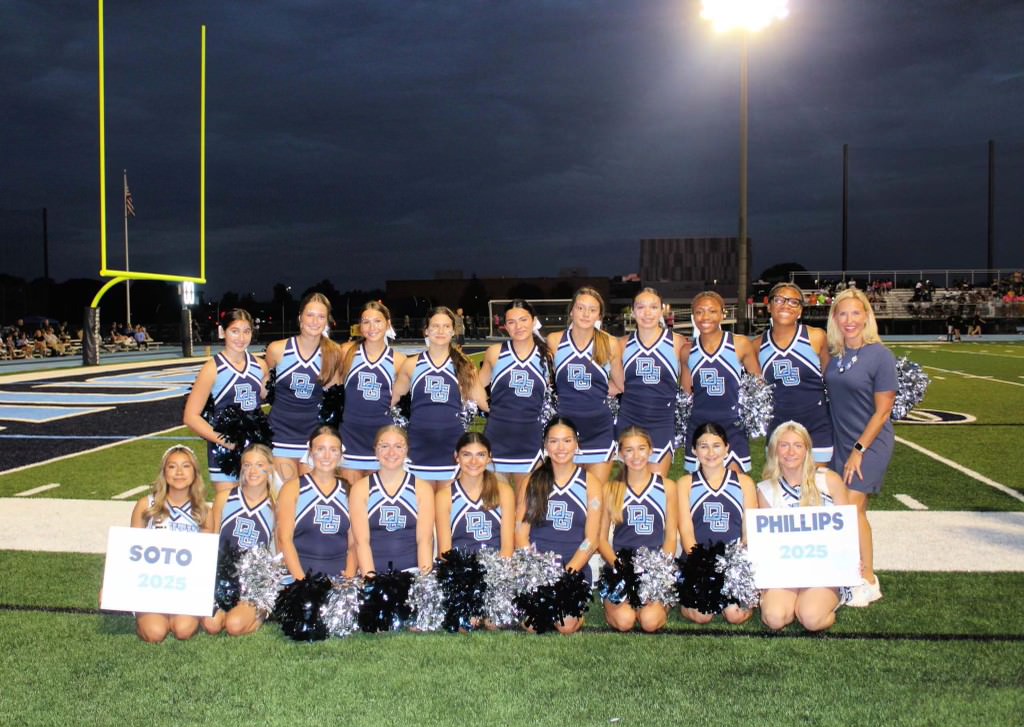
(751, 15)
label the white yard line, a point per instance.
(910, 502)
(37, 490)
(963, 470)
(974, 376)
(131, 493)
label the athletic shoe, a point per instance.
(864, 594)
(845, 596)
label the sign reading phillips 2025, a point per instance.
(159, 571)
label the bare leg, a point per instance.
(867, 550)
(816, 608)
(620, 616)
(778, 607)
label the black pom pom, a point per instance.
(298, 608)
(332, 406)
(568, 597)
(271, 387)
(383, 603)
(619, 583)
(227, 590)
(700, 584)
(461, 578)
(240, 428)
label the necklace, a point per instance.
(845, 363)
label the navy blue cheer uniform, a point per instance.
(434, 425)
(798, 388)
(717, 514)
(233, 388)
(473, 527)
(564, 526)
(175, 518)
(393, 522)
(643, 517)
(246, 527)
(649, 394)
(367, 407)
(514, 424)
(582, 388)
(297, 395)
(715, 377)
(321, 527)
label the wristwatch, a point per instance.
(858, 446)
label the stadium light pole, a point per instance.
(747, 16)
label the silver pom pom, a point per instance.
(260, 574)
(398, 418)
(549, 406)
(500, 592)
(467, 415)
(533, 569)
(657, 574)
(612, 402)
(912, 385)
(683, 410)
(427, 602)
(756, 405)
(739, 585)
(340, 611)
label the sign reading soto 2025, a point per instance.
(804, 547)
(159, 571)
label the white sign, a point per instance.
(803, 547)
(160, 571)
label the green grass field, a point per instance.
(940, 648)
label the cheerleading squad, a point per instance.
(376, 498)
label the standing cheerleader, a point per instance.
(713, 374)
(298, 387)
(393, 511)
(588, 368)
(712, 501)
(561, 512)
(368, 369)
(313, 533)
(652, 358)
(177, 502)
(234, 377)
(793, 357)
(791, 479)
(440, 379)
(519, 374)
(477, 510)
(244, 517)
(640, 513)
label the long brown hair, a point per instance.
(542, 479)
(615, 490)
(489, 494)
(158, 511)
(465, 370)
(357, 341)
(330, 352)
(602, 341)
(538, 340)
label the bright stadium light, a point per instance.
(750, 15)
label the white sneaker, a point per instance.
(864, 594)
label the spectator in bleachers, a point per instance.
(53, 344)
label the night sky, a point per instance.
(362, 141)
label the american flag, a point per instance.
(129, 203)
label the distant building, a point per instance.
(680, 267)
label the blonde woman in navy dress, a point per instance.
(519, 374)
(793, 357)
(393, 511)
(561, 512)
(478, 509)
(244, 518)
(298, 388)
(368, 368)
(639, 512)
(177, 502)
(713, 373)
(712, 501)
(652, 359)
(234, 377)
(439, 379)
(791, 478)
(313, 517)
(588, 368)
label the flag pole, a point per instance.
(127, 283)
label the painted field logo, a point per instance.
(937, 416)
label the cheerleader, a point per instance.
(712, 501)
(299, 384)
(440, 379)
(638, 513)
(652, 358)
(313, 518)
(234, 377)
(712, 374)
(393, 511)
(792, 479)
(588, 368)
(368, 368)
(244, 517)
(793, 357)
(561, 510)
(177, 502)
(519, 374)
(478, 509)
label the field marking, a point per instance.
(87, 451)
(963, 470)
(131, 493)
(910, 502)
(37, 490)
(974, 376)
